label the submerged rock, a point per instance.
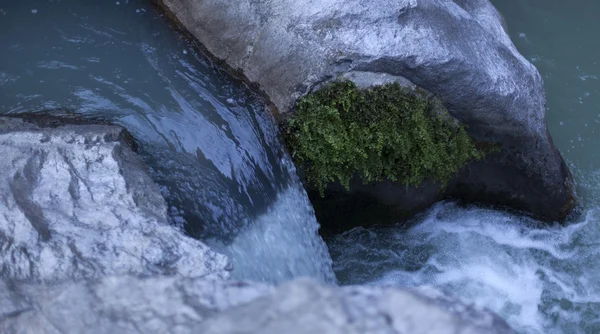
(184, 305)
(75, 201)
(456, 49)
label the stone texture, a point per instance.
(75, 201)
(184, 305)
(456, 49)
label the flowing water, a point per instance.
(211, 145)
(542, 280)
(213, 149)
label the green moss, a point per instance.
(381, 133)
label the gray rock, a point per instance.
(456, 49)
(75, 201)
(183, 305)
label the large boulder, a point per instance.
(458, 50)
(185, 305)
(76, 201)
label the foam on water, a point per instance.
(281, 244)
(540, 280)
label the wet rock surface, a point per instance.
(184, 305)
(85, 248)
(76, 201)
(457, 50)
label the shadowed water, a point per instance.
(210, 144)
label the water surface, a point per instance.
(210, 144)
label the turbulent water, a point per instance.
(210, 144)
(213, 149)
(542, 280)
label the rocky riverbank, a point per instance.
(128, 304)
(77, 202)
(79, 211)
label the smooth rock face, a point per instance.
(75, 201)
(456, 49)
(184, 305)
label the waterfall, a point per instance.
(209, 142)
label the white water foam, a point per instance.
(539, 280)
(280, 244)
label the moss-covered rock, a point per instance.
(385, 132)
(492, 89)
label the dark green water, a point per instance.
(540, 280)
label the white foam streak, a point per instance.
(541, 280)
